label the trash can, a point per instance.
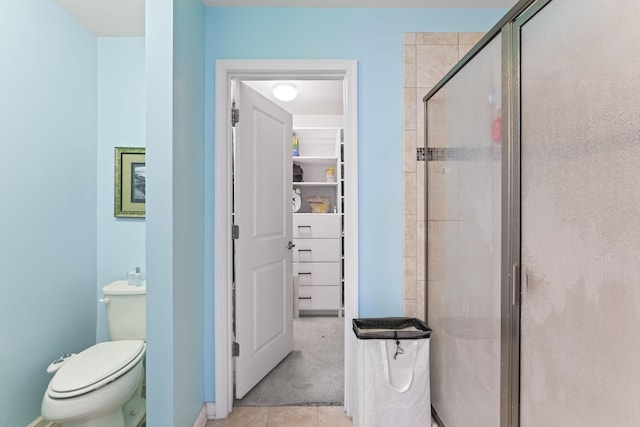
(392, 372)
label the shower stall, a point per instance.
(533, 221)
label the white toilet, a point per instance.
(103, 385)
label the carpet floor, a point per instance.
(312, 374)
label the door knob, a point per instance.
(290, 245)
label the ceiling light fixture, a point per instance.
(285, 91)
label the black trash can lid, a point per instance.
(394, 328)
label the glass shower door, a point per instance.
(580, 204)
(464, 248)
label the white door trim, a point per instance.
(226, 70)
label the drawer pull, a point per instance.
(305, 279)
(305, 255)
(304, 297)
(304, 230)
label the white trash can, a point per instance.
(392, 373)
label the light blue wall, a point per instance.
(48, 188)
(121, 123)
(175, 210)
(373, 37)
(159, 211)
(188, 225)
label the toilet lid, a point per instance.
(103, 361)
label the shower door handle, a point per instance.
(516, 285)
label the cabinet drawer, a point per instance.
(316, 226)
(317, 273)
(312, 250)
(319, 297)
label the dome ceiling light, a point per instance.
(285, 91)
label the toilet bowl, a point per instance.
(99, 387)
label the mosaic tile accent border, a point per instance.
(463, 153)
(420, 154)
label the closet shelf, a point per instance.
(315, 184)
(308, 160)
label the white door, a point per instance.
(263, 256)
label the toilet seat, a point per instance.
(94, 367)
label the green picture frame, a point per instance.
(130, 182)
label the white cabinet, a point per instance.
(310, 227)
(318, 298)
(318, 238)
(317, 262)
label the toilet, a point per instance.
(102, 386)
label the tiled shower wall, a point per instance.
(427, 57)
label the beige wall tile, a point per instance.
(410, 193)
(434, 62)
(409, 111)
(421, 247)
(437, 38)
(420, 113)
(409, 66)
(410, 308)
(421, 300)
(409, 151)
(410, 278)
(421, 190)
(470, 38)
(409, 236)
(408, 38)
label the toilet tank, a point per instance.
(126, 310)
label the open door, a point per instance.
(263, 256)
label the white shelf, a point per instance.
(320, 149)
(315, 184)
(314, 160)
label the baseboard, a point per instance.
(207, 412)
(211, 410)
(41, 422)
(201, 420)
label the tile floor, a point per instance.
(284, 416)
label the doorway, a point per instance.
(226, 72)
(311, 372)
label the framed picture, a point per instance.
(130, 182)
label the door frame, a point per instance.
(226, 71)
